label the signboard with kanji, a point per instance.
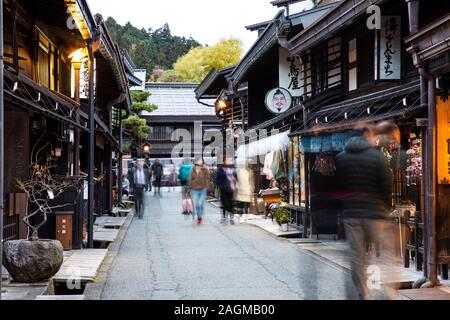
(290, 73)
(390, 44)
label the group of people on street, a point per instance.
(236, 187)
(364, 193)
(139, 179)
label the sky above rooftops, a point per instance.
(205, 20)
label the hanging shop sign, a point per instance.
(84, 78)
(443, 141)
(290, 73)
(278, 100)
(389, 54)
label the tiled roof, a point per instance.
(176, 99)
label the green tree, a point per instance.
(199, 61)
(135, 123)
(171, 76)
(150, 48)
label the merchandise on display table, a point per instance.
(414, 162)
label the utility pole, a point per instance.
(2, 147)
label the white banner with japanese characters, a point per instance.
(390, 53)
(84, 78)
(290, 73)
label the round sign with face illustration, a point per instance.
(278, 100)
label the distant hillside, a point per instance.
(150, 49)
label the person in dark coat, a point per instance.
(226, 181)
(131, 170)
(157, 170)
(140, 181)
(365, 186)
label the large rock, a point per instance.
(32, 261)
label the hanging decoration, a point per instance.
(325, 164)
(414, 169)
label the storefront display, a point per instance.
(414, 162)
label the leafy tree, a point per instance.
(199, 61)
(150, 48)
(140, 102)
(137, 125)
(171, 76)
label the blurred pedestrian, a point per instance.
(140, 184)
(125, 185)
(149, 176)
(226, 180)
(183, 175)
(365, 181)
(172, 175)
(245, 188)
(131, 171)
(185, 171)
(198, 185)
(157, 170)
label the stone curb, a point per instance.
(94, 290)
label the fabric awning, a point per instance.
(263, 146)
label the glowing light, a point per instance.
(78, 55)
(221, 104)
(146, 148)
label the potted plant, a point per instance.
(282, 216)
(35, 260)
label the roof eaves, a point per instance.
(264, 42)
(330, 23)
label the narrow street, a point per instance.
(167, 256)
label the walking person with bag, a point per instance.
(183, 176)
(199, 181)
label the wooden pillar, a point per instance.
(76, 151)
(109, 177)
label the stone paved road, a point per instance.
(164, 256)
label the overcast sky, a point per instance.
(204, 20)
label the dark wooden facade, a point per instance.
(41, 107)
(177, 110)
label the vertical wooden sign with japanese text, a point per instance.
(290, 73)
(390, 45)
(443, 141)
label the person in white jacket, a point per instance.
(244, 189)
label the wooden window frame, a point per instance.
(352, 65)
